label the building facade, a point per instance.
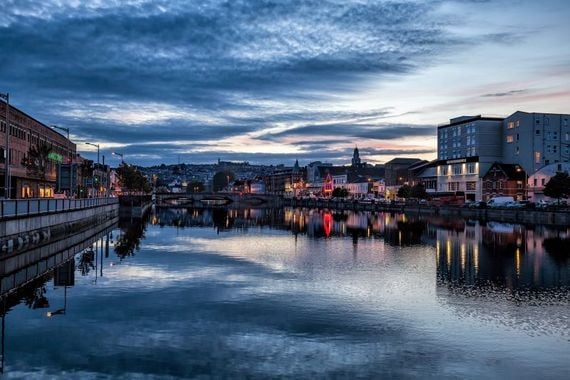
(504, 180)
(35, 152)
(467, 148)
(535, 140)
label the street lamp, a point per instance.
(120, 155)
(95, 145)
(63, 129)
(93, 177)
(6, 97)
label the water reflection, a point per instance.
(468, 252)
(217, 292)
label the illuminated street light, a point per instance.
(120, 155)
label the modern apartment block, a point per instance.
(535, 140)
(467, 147)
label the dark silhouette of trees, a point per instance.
(558, 186)
(132, 179)
(340, 192)
(418, 191)
(405, 191)
(36, 161)
(222, 179)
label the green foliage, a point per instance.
(132, 179)
(36, 160)
(405, 191)
(340, 193)
(222, 180)
(558, 186)
(418, 191)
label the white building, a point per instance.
(540, 178)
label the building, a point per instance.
(397, 174)
(504, 180)
(536, 140)
(36, 150)
(467, 148)
(540, 178)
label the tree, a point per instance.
(404, 191)
(340, 192)
(195, 187)
(36, 161)
(558, 186)
(132, 179)
(222, 180)
(418, 191)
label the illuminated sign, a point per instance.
(55, 157)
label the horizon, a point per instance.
(269, 83)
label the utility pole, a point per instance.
(7, 185)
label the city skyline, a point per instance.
(272, 82)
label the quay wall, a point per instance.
(19, 232)
(525, 216)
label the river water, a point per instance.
(293, 293)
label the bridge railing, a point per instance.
(10, 208)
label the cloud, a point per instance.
(140, 72)
(507, 93)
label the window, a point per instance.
(510, 138)
(518, 137)
(535, 182)
(457, 169)
(546, 121)
(517, 151)
(554, 148)
(548, 149)
(471, 168)
(510, 125)
(567, 136)
(537, 132)
(542, 181)
(471, 186)
(518, 123)
(537, 157)
(519, 185)
(554, 135)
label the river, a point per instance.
(296, 293)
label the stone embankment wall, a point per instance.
(525, 216)
(17, 233)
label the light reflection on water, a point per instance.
(305, 293)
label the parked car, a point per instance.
(478, 204)
(500, 202)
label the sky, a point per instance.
(273, 81)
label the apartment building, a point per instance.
(467, 148)
(534, 140)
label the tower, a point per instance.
(356, 158)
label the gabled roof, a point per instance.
(512, 171)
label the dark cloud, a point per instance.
(507, 93)
(215, 69)
(360, 131)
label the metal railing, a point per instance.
(28, 207)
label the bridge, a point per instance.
(208, 200)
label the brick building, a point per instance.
(25, 133)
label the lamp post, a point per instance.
(93, 177)
(70, 159)
(62, 128)
(97, 146)
(6, 97)
(120, 155)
